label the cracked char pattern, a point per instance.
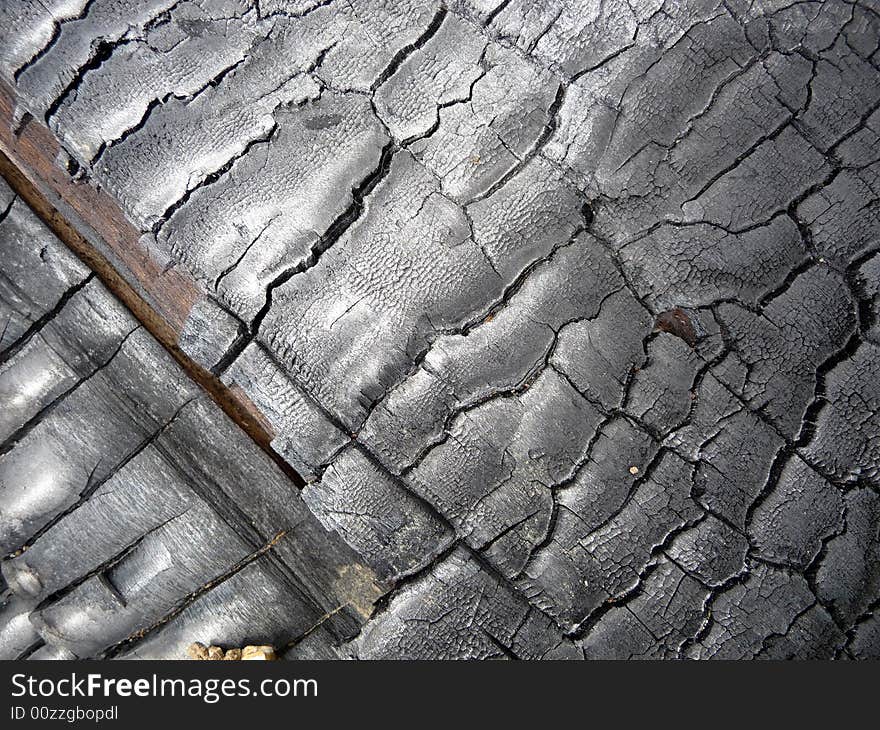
(566, 311)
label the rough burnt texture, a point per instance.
(566, 312)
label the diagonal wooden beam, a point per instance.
(93, 226)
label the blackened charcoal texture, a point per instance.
(566, 312)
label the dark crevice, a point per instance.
(131, 642)
(92, 484)
(53, 39)
(40, 322)
(404, 53)
(102, 52)
(22, 431)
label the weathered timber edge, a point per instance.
(93, 226)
